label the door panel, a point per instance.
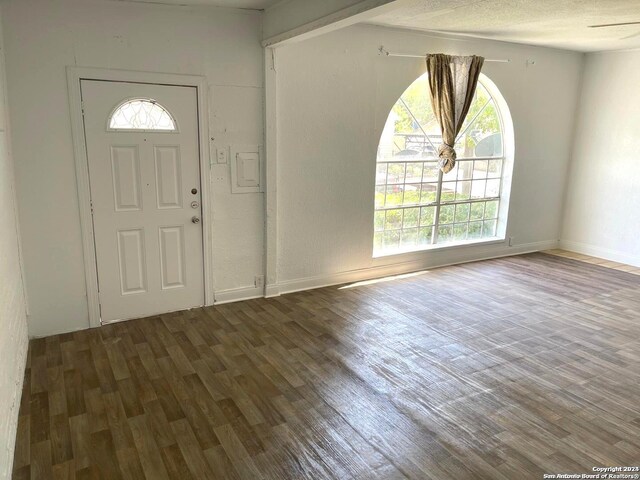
(133, 266)
(172, 256)
(149, 253)
(168, 176)
(125, 168)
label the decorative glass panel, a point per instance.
(141, 114)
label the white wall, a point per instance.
(334, 93)
(13, 321)
(45, 36)
(602, 214)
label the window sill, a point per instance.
(447, 246)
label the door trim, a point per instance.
(74, 76)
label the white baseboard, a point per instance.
(272, 290)
(237, 294)
(441, 259)
(452, 257)
(601, 252)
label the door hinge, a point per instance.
(82, 107)
(91, 205)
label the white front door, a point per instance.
(144, 172)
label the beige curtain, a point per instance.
(452, 82)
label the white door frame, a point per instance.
(74, 76)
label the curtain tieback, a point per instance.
(447, 156)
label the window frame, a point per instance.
(501, 199)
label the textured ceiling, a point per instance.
(255, 4)
(554, 23)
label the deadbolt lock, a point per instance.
(195, 204)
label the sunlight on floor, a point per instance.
(383, 279)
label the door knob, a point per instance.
(195, 219)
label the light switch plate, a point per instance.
(221, 154)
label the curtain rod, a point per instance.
(386, 53)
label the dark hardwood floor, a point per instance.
(502, 369)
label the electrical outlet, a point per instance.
(259, 281)
(219, 173)
(512, 241)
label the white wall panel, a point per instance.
(13, 321)
(603, 191)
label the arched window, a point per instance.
(141, 114)
(416, 205)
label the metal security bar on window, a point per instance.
(416, 205)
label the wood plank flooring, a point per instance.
(502, 369)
